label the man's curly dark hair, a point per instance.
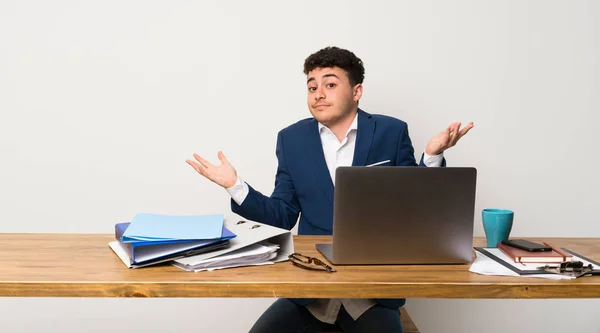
(333, 56)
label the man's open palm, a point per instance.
(446, 139)
(223, 175)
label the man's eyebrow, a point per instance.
(324, 76)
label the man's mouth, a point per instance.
(321, 106)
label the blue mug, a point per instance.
(497, 224)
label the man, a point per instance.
(308, 152)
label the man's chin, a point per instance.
(328, 118)
(324, 119)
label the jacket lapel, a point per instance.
(364, 138)
(317, 158)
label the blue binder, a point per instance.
(160, 227)
(148, 252)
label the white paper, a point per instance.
(249, 251)
(254, 254)
(487, 266)
(248, 233)
(222, 267)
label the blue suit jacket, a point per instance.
(303, 185)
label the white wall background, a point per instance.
(102, 102)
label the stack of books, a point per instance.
(150, 239)
(507, 260)
(556, 255)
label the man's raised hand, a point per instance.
(223, 175)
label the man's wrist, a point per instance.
(433, 153)
(237, 182)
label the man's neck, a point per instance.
(341, 127)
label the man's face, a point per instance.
(331, 97)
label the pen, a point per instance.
(378, 163)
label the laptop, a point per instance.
(402, 215)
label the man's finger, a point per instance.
(196, 166)
(455, 128)
(202, 161)
(451, 128)
(192, 164)
(455, 134)
(466, 129)
(448, 130)
(222, 158)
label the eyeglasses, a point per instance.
(571, 268)
(311, 263)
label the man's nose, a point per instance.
(319, 94)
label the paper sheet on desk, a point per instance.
(486, 266)
(231, 266)
(248, 233)
(256, 254)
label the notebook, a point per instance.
(521, 256)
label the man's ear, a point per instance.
(357, 92)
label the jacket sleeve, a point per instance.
(282, 208)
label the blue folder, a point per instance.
(156, 227)
(147, 252)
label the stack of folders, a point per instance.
(255, 244)
(151, 239)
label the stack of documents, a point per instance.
(255, 244)
(151, 239)
(199, 243)
(255, 254)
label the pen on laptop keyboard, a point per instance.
(378, 163)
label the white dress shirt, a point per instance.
(336, 154)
